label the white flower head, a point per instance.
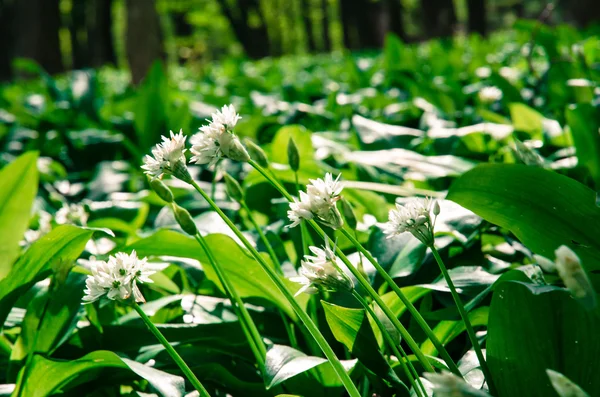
(483, 72)
(226, 117)
(117, 278)
(217, 139)
(574, 277)
(319, 201)
(414, 217)
(446, 384)
(490, 94)
(168, 157)
(322, 270)
(73, 214)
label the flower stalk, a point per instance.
(174, 355)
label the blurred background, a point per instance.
(62, 35)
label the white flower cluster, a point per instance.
(167, 157)
(414, 217)
(490, 94)
(568, 266)
(217, 139)
(322, 270)
(72, 214)
(318, 202)
(117, 278)
(446, 384)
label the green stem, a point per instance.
(407, 303)
(254, 339)
(303, 231)
(364, 283)
(465, 317)
(388, 339)
(288, 327)
(174, 355)
(314, 331)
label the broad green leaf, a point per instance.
(151, 107)
(352, 328)
(526, 119)
(63, 244)
(559, 334)
(61, 375)
(18, 187)
(542, 208)
(61, 307)
(302, 138)
(446, 331)
(247, 276)
(584, 121)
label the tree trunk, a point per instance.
(477, 17)
(396, 24)
(37, 23)
(348, 13)
(254, 39)
(100, 33)
(308, 25)
(325, 26)
(583, 12)
(144, 43)
(439, 17)
(6, 32)
(79, 37)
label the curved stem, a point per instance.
(388, 339)
(465, 317)
(364, 283)
(407, 303)
(254, 338)
(174, 355)
(314, 331)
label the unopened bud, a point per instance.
(436, 208)
(257, 154)
(349, 215)
(293, 155)
(234, 190)
(233, 148)
(161, 190)
(574, 277)
(185, 220)
(563, 386)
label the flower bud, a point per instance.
(185, 220)
(293, 155)
(546, 264)
(574, 277)
(349, 215)
(563, 386)
(332, 218)
(233, 148)
(257, 153)
(436, 208)
(234, 190)
(161, 190)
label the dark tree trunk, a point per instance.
(348, 14)
(79, 35)
(477, 17)
(583, 12)
(325, 26)
(308, 25)
(396, 24)
(144, 38)
(37, 23)
(99, 35)
(439, 17)
(254, 39)
(6, 32)
(372, 23)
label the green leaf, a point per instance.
(352, 328)
(526, 119)
(584, 121)
(559, 334)
(18, 187)
(63, 244)
(247, 276)
(542, 208)
(150, 107)
(61, 375)
(446, 331)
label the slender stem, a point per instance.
(262, 237)
(408, 304)
(254, 338)
(465, 317)
(288, 327)
(174, 355)
(314, 331)
(303, 231)
(388, 339)
(364, 283)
